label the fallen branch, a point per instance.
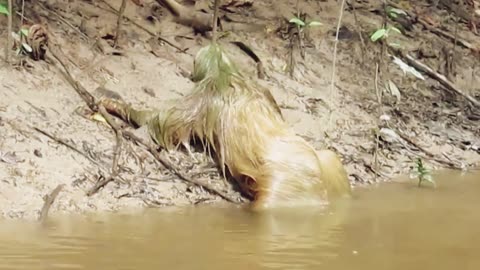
(434, 75)
(89, 99)
(49, 199)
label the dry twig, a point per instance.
(9, 33)
(49, 199)
(332, 85)
(63, 20)
(68, 145)
(119, 22)
(116, 155)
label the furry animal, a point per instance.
(241, 124)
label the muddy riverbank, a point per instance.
(435, 124)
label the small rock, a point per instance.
(149, 91)
(37, 153)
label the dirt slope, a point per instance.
(149, 71)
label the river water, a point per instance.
(389, 226)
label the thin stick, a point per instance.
(63, 20)
(119, 22)
(332, 89)
(23, 11)
(359, 31)
(68, 145)
(49, 199)
(215, 19)
(55, 51)
(375, 153)
(9, 33)
(116, 155)
(113, 10)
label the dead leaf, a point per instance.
(394, 90)
(10, 158)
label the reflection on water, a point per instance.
(392, 226)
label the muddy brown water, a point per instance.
(389, 226)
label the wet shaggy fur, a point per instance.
(241, 124)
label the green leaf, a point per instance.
(314, 23)
(380, 33)
(394, 44)
(395, 29)
(397, 11)
(24, 32)
(4, 10)
(393, 15)
(297, 21)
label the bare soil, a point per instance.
(148, 71)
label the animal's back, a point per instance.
(275, 165)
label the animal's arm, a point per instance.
(128, 114)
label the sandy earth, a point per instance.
(148, 71)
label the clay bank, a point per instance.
(383, 110)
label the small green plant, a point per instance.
(422, 173)
(20, 38)
(395, 12)
(300, 23)
(383, 33)
(298, 39)
(4, 9)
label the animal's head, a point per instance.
(213, 65)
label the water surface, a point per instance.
(389, 226)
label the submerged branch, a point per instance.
(49, 199)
